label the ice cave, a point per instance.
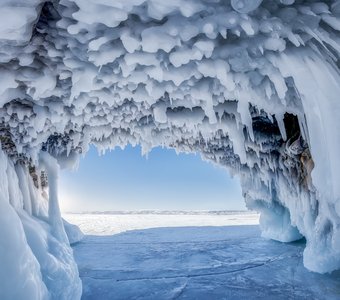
(252, 85)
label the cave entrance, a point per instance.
(169, 249)
(123, 183)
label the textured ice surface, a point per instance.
(215, 262)
(251, 85)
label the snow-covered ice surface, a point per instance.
(193, 262)
(106, 224)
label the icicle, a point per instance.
(52, 168)
(280, 123)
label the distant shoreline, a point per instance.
(164, 212)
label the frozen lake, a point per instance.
(214, 261)
(107, 224)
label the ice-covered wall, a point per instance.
(252, 85)
(35, 255)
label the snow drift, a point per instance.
(251, 85)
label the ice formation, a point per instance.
(251, 85)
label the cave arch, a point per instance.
(251, 86)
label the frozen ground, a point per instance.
(106, 223)
(192, 262)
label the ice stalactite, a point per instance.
(51, 166)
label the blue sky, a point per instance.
(124, 180)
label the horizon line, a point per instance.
(158, 211)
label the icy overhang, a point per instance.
(252, 85)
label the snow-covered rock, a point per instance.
(251, 85)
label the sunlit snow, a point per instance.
(113, 223)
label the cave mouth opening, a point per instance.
(108, 177)
(122, 182)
